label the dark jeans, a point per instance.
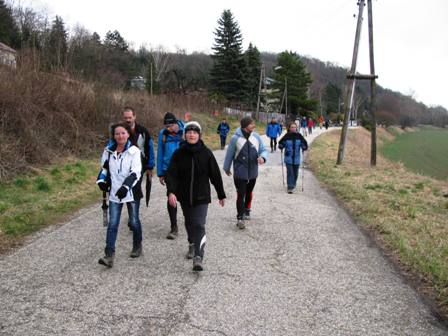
(223, 141)
(244, 190)
(292, 173)
(195, 218)
(172, 212)
(273, 143)
(114, 222)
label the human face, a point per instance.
(129, 118)
(192, 137)
(250, 128)
(293, 128)
(121, 135)
(172, 127)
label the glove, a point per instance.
(103, 186)
(122, 192)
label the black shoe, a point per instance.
(172, 235)
(131, 228)
(246, 215)
(190, 253)
(197, 264)
(107, 260)
(136, 250)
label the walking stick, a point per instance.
(303, 168)
(283, 174)
(104, 207)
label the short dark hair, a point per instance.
(129, 108)
(120, 124)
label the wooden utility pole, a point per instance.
(262, 79)
(349, 84)
(372, 87)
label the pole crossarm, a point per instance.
(360, 76)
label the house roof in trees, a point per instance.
(4, 47)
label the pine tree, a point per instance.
(332, 98)
(57, 44)
(253, 64)
(298, 81)
(9, 33)
(227, 74)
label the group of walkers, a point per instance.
(186, 166)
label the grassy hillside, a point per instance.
(425, 152)
(405, 212)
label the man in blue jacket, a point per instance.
(168, 141)
(273, 130)
(223, 130)
(246, 151)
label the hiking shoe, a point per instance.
(190, 253)
(197, 264)
(172, 235)
(131, 228)
(289, 191)
(246, 215)
(107, 260)
(240, 224)
(136, 250)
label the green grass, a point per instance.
(424, 152)
(30, 202)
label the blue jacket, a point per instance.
(273, 130)
(292, 143)
(243, 153)
(223, 129)
(167, 144)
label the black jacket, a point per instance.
(190, 170)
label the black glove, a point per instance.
(122, 192)
(103, 186)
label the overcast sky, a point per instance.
(410, 36)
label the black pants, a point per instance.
(244, 190)
(195, 218)
(223, 141)
(273, 143)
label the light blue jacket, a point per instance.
(243, 153)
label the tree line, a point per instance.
(229, 76)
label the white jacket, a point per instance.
(122, 166)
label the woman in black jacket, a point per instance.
(191, 168)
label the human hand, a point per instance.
(221, 202)
(103, 186)
(260, 160)
(228, 173)
(162, 180)
(122, 192)
(172, 200)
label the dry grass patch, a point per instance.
(407, 212)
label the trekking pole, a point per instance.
(303, 168)
(283, 174)
(104, 207)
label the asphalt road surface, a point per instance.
(301, 267)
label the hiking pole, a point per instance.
(303, 167)
(283, 174)
(104, 207)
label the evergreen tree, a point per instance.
(298, 81)
(57, 44)
(227, 74)
(9, 33)
(253, 65)
(116, 41)
(332, 98)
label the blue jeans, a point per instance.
(292, 173)
(114, 222)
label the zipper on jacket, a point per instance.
(191, 181)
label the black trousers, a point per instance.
(223, 141)
(244, 190)
(195, 218)
(273, 143)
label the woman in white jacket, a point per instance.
(121, 170)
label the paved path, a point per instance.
(301, 267)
